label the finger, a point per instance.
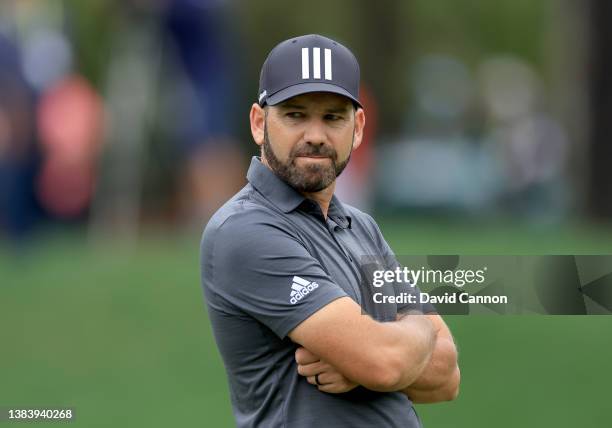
(323, 379)
(334, 388)
(337, 387)
(331, 378)
(304, 356)
(312, 369)
(330, 388)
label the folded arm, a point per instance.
(380, 356)
(439, 381)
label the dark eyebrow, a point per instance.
(337, 110)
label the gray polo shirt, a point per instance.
(270, 260)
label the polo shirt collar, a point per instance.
(272, 187)
(286, 197)
(337, 213)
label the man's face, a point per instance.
(308, 139)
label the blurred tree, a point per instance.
(382, 51)
(600, 173)
(91, 26)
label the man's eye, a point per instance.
(332, 117)
(295, 115)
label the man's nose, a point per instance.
(315, 133)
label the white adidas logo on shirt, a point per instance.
(300, 289)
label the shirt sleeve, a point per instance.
(264, 270)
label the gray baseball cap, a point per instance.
(310, 63)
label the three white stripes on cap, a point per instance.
(316, 63)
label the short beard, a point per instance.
(311, 178)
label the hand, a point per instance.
(330, 379)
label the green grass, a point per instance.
(121, 335)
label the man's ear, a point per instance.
(258, 123)
(359, 126)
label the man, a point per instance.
(281, 268)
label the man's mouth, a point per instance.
(313, 159)
(313, 156)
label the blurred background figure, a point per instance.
(69, 121)
(18, 154)
(207, 46)
(176, 156)
(532, 146)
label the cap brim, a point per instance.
(306, 88)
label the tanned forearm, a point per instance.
(388, 357)
(445, 392)
(439, 381)
(417, 350)
(410, 344)
(440, 368)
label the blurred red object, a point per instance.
(70, 116)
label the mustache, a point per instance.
(308, 150)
